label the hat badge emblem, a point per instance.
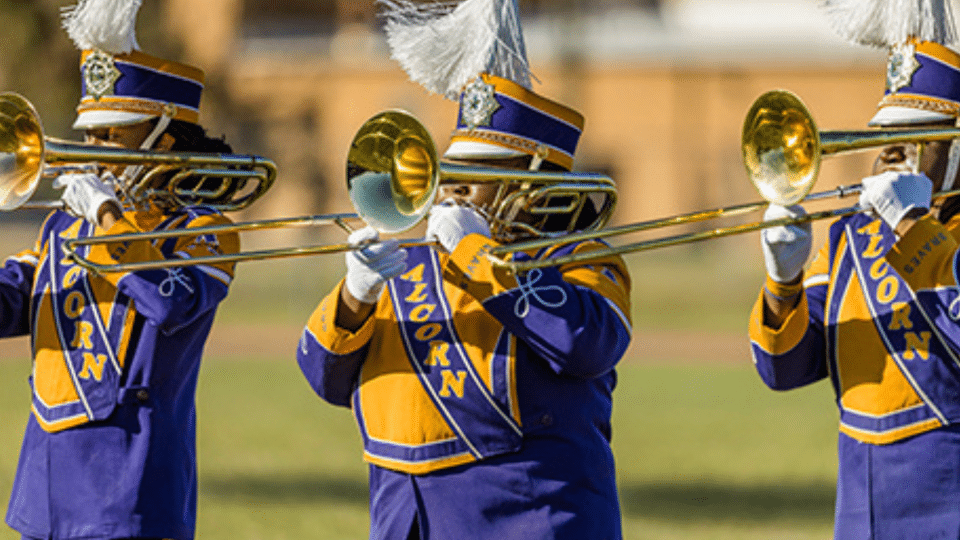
(901, 66)
(478, 104)
(100, 74)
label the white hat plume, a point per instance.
(108, 25)
(886, 23)
(444, 45)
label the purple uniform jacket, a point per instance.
(483, 398)
(880, 318)
(109, 449)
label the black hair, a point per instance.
(949, 208)
(189, 137)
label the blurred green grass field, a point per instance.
(702, 453)
(704, 450)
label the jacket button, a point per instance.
(546, 420)
(143, 395)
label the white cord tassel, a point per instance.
(885, 23)
(444, 45)
(108, 25)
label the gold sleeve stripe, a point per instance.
(783, 339)
(26, 257)
(212, 271)
(893, 435)
(59, 425)
(323, 329)
(420, 467)
(816, 279)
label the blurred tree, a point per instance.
(38, 60)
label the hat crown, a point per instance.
(922, 85)
(120, 84)
(499, 118)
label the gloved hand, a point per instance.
(449, 223)
(85, 193)
(785, 247)
(892, 194)
(369, 268)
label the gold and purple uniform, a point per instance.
(483, 398)
(109, 449)
(879, 318)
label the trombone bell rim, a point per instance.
(781, 147)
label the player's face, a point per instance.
(929, 158)
(129, 137)
(480, 195)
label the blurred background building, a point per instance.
(664, 85)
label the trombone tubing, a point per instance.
(455, 173)
(499, 253)
(835, 142)
(692, 217)
(59, 151)
(70, 245)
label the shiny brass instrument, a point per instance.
(224, 181)
(782, 151)
(394, 149)
(393, 176)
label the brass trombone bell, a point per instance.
(782, 148)
(392, 171)
(25, 154)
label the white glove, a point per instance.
(785, 247)
(892, 194)
(85, 193)
(449, 223)
(369, 268)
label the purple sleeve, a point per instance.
(803, 363)
(576, 329)
(16, 282)
(332, 376)
(174, 298)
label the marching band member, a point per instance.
(483, 398)
(876, 314)
(109, 449)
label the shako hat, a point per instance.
(120, 84)
(474, 52)
(923, 72)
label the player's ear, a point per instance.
(165, 143)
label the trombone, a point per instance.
(27, 156)
(393, 176)
(782, 151)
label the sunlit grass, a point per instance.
(703, 452)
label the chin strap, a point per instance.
(537, 159)
(132, 172)
(953, 164)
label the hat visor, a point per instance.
(904, 116)
(97, 119)
(472, 149)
